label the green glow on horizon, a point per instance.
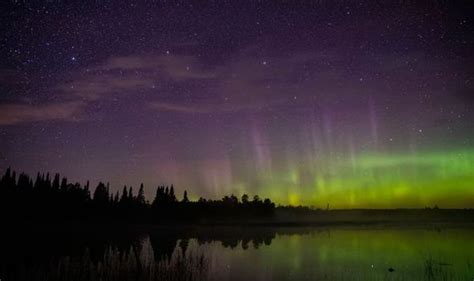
(382, 180)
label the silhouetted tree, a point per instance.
(47, 182)
(245, 199)
(141, 195)
(101, 195)
(185, 197)
(172, 197)
(124, 198)
(233, 199)
(116, 197)
(59, 199)
(37, 181)
(63, 187)
(56, 182)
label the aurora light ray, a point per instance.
(358, 107)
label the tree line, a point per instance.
(55, 198)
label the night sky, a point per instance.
(346, 103)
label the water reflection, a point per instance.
(165, 241)
(86, 254)
(221, 253)
(138, 262)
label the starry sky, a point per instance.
(355, 104)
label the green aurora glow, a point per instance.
(381, 180)
(366, 105)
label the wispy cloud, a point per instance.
(131, 74)
(120, 75)
(177, 67)
(207, 108)
(19, 113)
(247, 82)
(95, 87)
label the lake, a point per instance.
(241, 253)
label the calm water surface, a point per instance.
(338, 253)
(349, 254)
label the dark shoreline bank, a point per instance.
(283, 218)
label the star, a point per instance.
(300, 98)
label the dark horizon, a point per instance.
(45, 183)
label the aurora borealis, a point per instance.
(347, 103)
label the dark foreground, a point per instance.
(428, 251)
(55, 230)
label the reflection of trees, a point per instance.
(132, 256)
(183, 245)
(232, 237)
(163, 244)
(136, 263)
